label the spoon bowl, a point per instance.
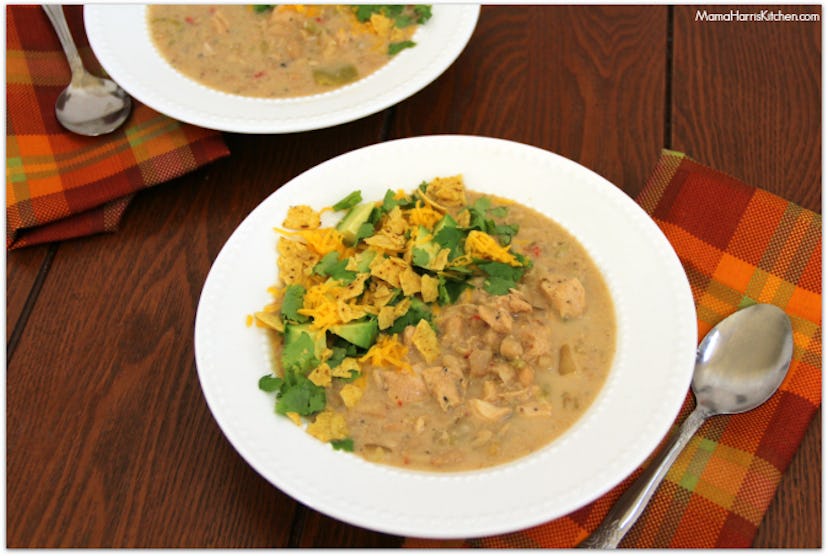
(759, 347)
(740, 363)
(90, 105)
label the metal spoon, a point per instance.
(739, 365)
(90, 105)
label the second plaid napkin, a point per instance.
(60, 185)
(739, 245)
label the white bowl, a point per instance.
(645, 389)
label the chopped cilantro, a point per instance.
(500, 277)
(451, 238)
(422, 12)
(448, 291)
(395, 48)
(260, 8)
(298, 356)
(330, 265)
(301, 396)
(292, 302)
(366, 229)
(417, 311)
(349, 201)
(346, 444)
(270, 383)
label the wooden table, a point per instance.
(109, 440)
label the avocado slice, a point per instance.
(361, 333)
(293, 331)
(356, 217)
(362, 261)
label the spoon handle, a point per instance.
(55, 14)
(623, 515)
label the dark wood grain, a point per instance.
(746, 99)
(734, 105)
(109, 440)
(22, 270)
(556, 77)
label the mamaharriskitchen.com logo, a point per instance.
(761, 15)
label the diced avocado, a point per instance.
(293, 331)
(361, 261)
(335, 76)
(357, 216)
(424, 250)
(362, 333)
(273, 320)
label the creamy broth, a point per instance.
(278, 51)
(517, 397)
(511, 373)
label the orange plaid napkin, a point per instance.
(60, 185)
(739, 245)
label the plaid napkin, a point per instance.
(739, 245)
(60, 185)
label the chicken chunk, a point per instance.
(488, 411)
(498, 319)
(401, 387)
(566, 295)
(446, 384)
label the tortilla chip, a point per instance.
(302, 217)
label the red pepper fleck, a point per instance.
(535, 250)
(399, 403)
(189, 20)
(258, 74)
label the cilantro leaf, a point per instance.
(366, 229)
(301, 396)
(395, 48)
(346, 444)
(349, 201)
(260, 8)
(270, 383)
(417, 311)
(291, 303)
(451, 238)
(448, 291)
(422, 12)
(500, 277)
(330, 265)
(299, 356)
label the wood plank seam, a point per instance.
(31, 299)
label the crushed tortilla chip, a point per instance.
(426, 341)
(329, 426)
(447, 191)
(302, 217)
(388, 269)
(350, 394)
(386, 241)
(428, 288)
(295, 261)
(346, 368)
(295, 417)
(390, 313)
(321, 375)
(409, 282)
